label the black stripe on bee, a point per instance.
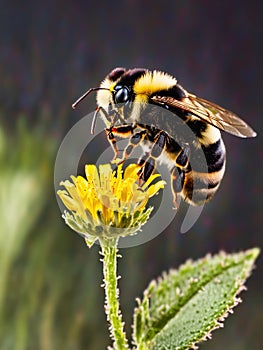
(128, 77)
(116, 73)
(215, 156)
(198, 127)
(175, 91)
(203, 183)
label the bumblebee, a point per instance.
(172, 126)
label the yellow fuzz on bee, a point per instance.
(152, 82)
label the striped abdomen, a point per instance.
(202, 180)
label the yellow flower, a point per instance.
(107, 203)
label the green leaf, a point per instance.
(185, 305)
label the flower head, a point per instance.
(107, 203)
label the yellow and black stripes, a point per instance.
(196, 178)
(202, 182)
(200, 186)
(135, 103)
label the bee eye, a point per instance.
(122, 95)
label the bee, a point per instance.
(172, 126)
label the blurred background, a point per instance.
(50, 53)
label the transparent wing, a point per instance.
(210, 112)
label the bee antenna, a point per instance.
(86, 94)
(94, 120)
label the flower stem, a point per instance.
(109, 252)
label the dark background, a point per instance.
(51, 52)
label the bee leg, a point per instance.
(134, 141)
(123, 131)
(143, 159)
(113, 115)
(148, 161)
(146, 171)
(182, 159)
(177, 183)
(113, 142)
(178, 172)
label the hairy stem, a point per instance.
(109, 252)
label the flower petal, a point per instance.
(92, 174)
(73, 203)
(131, 171)
(105, 172)
(153, 189)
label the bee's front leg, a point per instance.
(123, 131)
(113, 142)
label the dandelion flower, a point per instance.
(107, 203)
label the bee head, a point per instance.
(116, 92)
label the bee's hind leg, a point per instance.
(177, 183)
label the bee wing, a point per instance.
(210, 112)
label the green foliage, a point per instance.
(184, 306)
(49, 291)
(24, 173)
